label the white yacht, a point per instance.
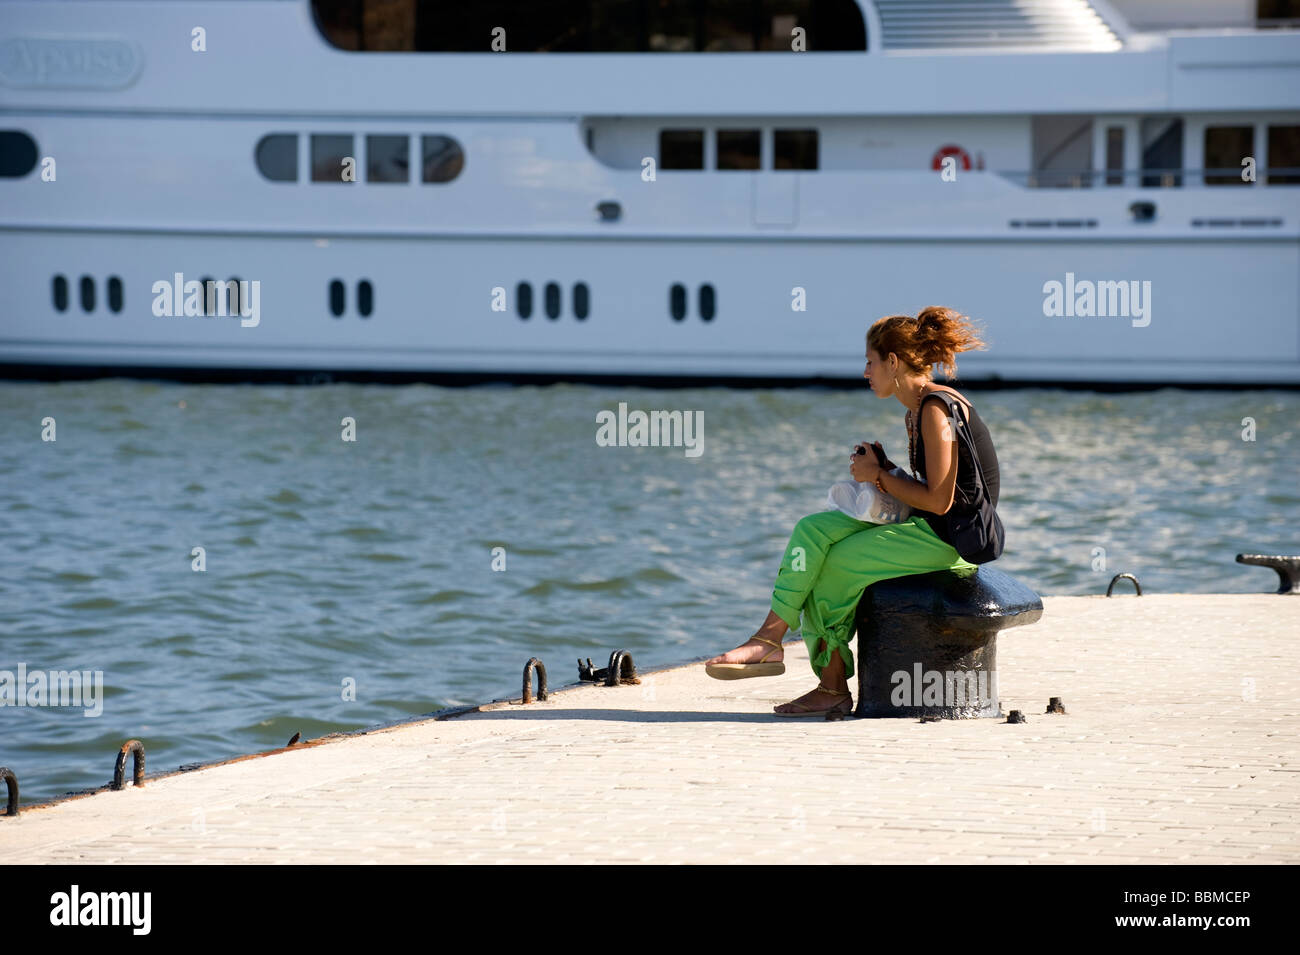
(707, 190)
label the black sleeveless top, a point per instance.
(965, 467)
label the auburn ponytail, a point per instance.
(933, 337)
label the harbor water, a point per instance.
(236, 570)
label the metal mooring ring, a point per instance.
(11, 781)
(130, 746)
(1124, 577)
(540, 667)
(621, 669)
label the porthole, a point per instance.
(677, 302)
(552, 300)
(337, 298)
(234, 304)
(114, 294)
(277, 157)
(87, 294)
(708, 303)
(60, 289)
(581, 301)
(524, 299)
(365, 298)
(209, 295)
(17, 152)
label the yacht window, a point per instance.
(1225, 148)
(365, 298)
(1062, 151)
(524, 299)
(114, 293)
(277, 157)
(209, 295)
(87, 294)
(17, 153)
(442, 158)
(552, 300)
(1162, 152)
(388, 159)
(708, 303)
(337, 294)
(681, 149)
(581, 301)
(328, 151)
(1115, 155)
(579, 26)
(60, 293)
(794, 149)
(1283, 155)
(738, 148)
(677, 302)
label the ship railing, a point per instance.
(1149, 178)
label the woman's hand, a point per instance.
(864, 467)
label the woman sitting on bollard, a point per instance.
(832, 557)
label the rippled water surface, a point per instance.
(372, 561)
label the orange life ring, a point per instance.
(943, 152)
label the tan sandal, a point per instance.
(843, 709)
(741, 671)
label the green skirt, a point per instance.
(832, 558)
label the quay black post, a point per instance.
(1288, 569)
(130, 746)
(939, 623)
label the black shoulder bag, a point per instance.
(975, 529)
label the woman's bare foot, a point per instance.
(754, 650)
(819, 700)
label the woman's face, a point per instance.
(877, 374)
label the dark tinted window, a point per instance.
(328, 153)
(681, 149)
(338, 297)
(60, 289)
(1115, 155)
(1162, 149)
(87, 294)
(738, 148)
(277, 157)
(708, 303)
(1284, 153)
(442, 158)
(590, 26)
(388, 159)
(677, 302)
(581, 300)
(17, 153)
(1225, 148)
(114, 294)
(365, 298)
(552, 300)
(233, 302)
(794, 149)
(524, 299)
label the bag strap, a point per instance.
(981, 486)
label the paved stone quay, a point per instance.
(1179, 744)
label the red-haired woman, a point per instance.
(831, 557)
